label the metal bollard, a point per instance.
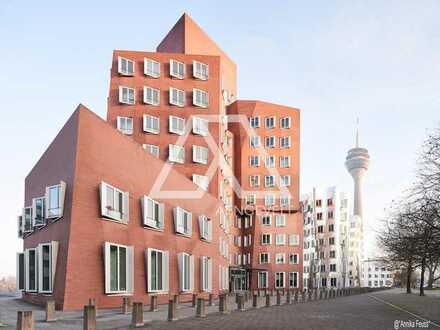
(92, 302)
(211, 300)
(223, 304)
(278, 298)
(296, 296)
(25, 320)
(288, 297)
(200, 311)
(255, 301)
(50, 311)
(153, 303)
(137, 316)
(172, 311)
(176, 299)
(126, 304)
(240, 305)
(267, 301)
(303, 296)
(194, 300)
(309, 295)
(89, 318)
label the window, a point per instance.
(324, 282)
(176, 154)
(321, 254)
(177, 69)
(318, 203)
(186, 271)
(293, 258)
(200, 98)
(293, 280)
(266, 239)
(285, 142)
(27, 216)
(331, 228)
(153, 213)
(284, 161)
(206, 273)
(125, 66)
(118, 268)
(201, 180)
(223, 278)
(279, 280)
(263, 280)
(114, 203)
(284, 200)
(264, 258)
(331, 241)
(319, 216)
(157, 270)
(151, 68)
(294, 240)
(31, 267)
(332, 267)
(270, 122)
(332, 254)
(38, 209)
(280, 239)
(329, 202)
(124, 125)
(254, 180)
(270, 162)
(177, 97)
(47, 259)
(152, 149)
(285, 122)
(266, 219)
(176, 125)
(321, 242)
(320, 229)
(279, 258)
(254, 122)
(269, 200)
(151, 96)
(284, 180)
(200, 126)
(20, 276)
(330, 214)
(200, 154)
(54, 202)
(255, 141)
(333, 282)
(182, 221)
(322, 268)
(270, 141)
(205, 228)
(250, 199)
(269, 181)
(280, 220)
(200, 70)
(127, 95)
(20, 226)
(151, 124)
(254, 161)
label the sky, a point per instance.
(335, 60)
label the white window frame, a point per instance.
(149, 70)
(176, 125)
(163, 267)
(27, 220)
(152, 213)
(284, 200)
(250, 199)
(200, 154)
(151, 124)
(270, 142)
(200, 70)
(185, 263)
(152, 149)
(27, 270)
(124, 125)
(269, 181)
(180, 72)
(285, 161)
(282, 142)
(52, 261)
(21, 271)
(269, 162)
(201, 180)
(254, 180)
(205, 228)
(205, 274)
(269, 199)
(280, 258)
(182, 221)
(267, 216)
(254, 122)
(154, 98)
(283, 122)
(266, 239)
(176, 154)
(270, 122)
(130, 95)
(285, 181)
(293, 240)
(280, 239)
(255, 141)
(293, 257)
(120, 215)
(292, 279)
(57, 212)
(200, 126)
(280, 220)
(38, 204)
(126, 72)
(200, 98)
(129, 269)
(177, 97)
(280, 279)
(261, 284)
(254, 161)
(264, 258)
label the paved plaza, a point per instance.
(379, 310)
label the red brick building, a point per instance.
(114, 208)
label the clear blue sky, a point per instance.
(335, 60)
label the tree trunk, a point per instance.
(422, 278)
(408, 278)
(430, 278)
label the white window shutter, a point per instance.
(210, 274)
(125, 207)
(120, 100)
(46, 203)
(130, 269)
(201, 226)
(54, 257)
(202, 273)
(102, 194)
(191, 273)
(62, 197)
(107, 266)
(147, 257)
(39, 254)
(180, 261)
(189, 224)
(210, 230)
(165, 270)
(161, 215)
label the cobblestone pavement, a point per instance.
(376, 311)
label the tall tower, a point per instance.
(357, 162)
